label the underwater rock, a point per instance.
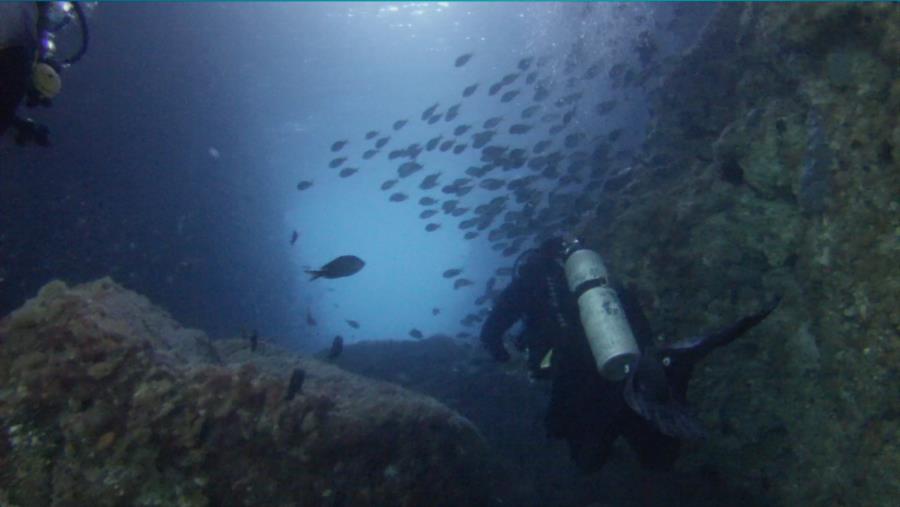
(105, 400)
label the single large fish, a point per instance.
(340, 267)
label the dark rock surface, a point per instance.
(104, 400)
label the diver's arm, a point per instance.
(509, 307)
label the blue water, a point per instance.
(181, 136)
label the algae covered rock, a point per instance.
(102, 404)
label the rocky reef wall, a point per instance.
(105, 400)
(772, 168)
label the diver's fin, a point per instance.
(699, 346)
(670, 418)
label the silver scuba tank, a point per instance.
(612, 343)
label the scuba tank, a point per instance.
(610, 337)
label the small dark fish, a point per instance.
(461, 282)
(450, 273)
(432, 143)
(605, 106)
(469, 90)
(460, 130)
(509, 78)
(408, 168)
(295, 385)
(530, 111)
(572, 140)
(294, 237)
(525, 63)
(429, 181)
(428, 112)
(369, 154)
(352, 323)
(427, 201)
(347, 172)
(337, 346)
(382, 141)
(371, 134)
(446, 145)
(459, 148)
(482, 138)
(396, 154)
(531, 77)
(458, 212)
(541, 146)
(519, 128)
(541, 93)
(432, 227)
(491, 183)
(434, 119)
(494, 89)
(449, 206)
(388, 184)
(334, 164)
(342, 266)
(310, 321)
(508, 96)
(337, 145)
(415, 333)
(303, 185)
(254, 340)
(470, 235)
(556, 129)
(428, 213)
(398, 197)
(492, 122)
(452, 113)
(435, 311)
(399, 124)
(462, 59)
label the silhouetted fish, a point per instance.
(347, 172)
(469, 90)
(342, 266)
(352, 323)
(337, 346)
(432, 227)
(461, 282)
(294, 237)
(508, 96)
(428, 213)
(460, 130)
(452, 113)
(369, 154)
(337, 145)
(462, 59)
(399, 124)
(303, 185)
(295, 384)
(398, 197)
(519, 128)
(427, 201)
(382, 141)
(428, 112)
(450, 273)
(371, 134)
(496, 87)
(492, 122)
(525, 63)
(470, 235)
(435, 311)
(459, 148)
(408, 168)
(415, 333)
(388, 184)
(335, 163)
(429, 181)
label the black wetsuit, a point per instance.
(648, 408)
(14, 74)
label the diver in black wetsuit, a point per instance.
(608, 381)
(29, 68)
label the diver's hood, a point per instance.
(647, 392)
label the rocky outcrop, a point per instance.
(104, 400)
(772, 168)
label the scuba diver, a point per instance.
(29, 66)
(608, 377)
